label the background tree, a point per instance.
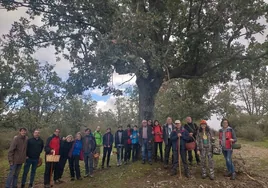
(152, 39)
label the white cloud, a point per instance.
(106, 105)
(214, 122)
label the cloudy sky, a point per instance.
(63, 67)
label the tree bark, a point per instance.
(148, 89)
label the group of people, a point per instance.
(144, 140)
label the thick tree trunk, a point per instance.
(148, 89)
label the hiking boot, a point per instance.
(22, 186)
(91, 176)
(118, 165)
(150, 162)
(227, 174)
(187, 174)
(165, 166)
(108, 166)
(233, 176)
(57, 182)
(191, 163)
(143, 162)
(85, 176)
(102, 167)
(47, 186)
(30, 185)
(72, 179)
(79, 178)
(204, 176)
(211, 177)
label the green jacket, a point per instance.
(98, 138)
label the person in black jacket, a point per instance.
(119, 145)
(145, 140)
(52, 147)
(108, 140)
(35, 146)
(89, 147)
(66, 145)
(127, 143)
(167, 130)
(192, 128)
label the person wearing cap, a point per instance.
(127, 143)
(108, 140)
(167, 130)
(145, 140)
(204, 141)
(119, 145)
(178, 147)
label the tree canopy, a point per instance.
(155, 40)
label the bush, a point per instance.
(250, 132)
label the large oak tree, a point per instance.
(152, 39)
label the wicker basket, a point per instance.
(52, 158)
(236, 146)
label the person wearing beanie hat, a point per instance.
(119, 145)
(108, 140)
(204, 149)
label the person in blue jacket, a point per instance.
(135, 143)
(179, 133)
(108, 141)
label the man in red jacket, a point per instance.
(52, 147)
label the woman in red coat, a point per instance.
(158, 139)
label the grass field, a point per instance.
(255, 156)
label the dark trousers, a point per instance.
(29, 163)
(55, 171)
(167, 152)
(156, 146)
(106, 151)
(61, 166)
(74, 166)
(183, 154)
(12, 178)
(135, 151)
(88, 159)
(190, 156)
(127, 152)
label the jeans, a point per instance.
(29, 162)
(74, 166)
(106, 151)
(88, 159)
(176, 160)
(12, 178)
(120, 153)
(228, 158)
(135, 152)
(167, 152)
(146, 148)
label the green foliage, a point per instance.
(251, 132)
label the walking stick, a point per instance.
(179, 152)
(50, 176)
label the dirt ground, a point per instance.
(252, 173)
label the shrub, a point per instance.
(250, 132)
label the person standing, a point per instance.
(35, 147)
(119, 145)
(151, 124)
(52, 147)
(74, 157)
(167, 130)
(89, 146)
(158, 139)
(98, 137)
(66, 145)
(16, 157)
(227, 137)
(192, 129)
(204, 149)
(127, 143)
(135, 143)
(182, 134)
(145, 140)
(107, 147)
